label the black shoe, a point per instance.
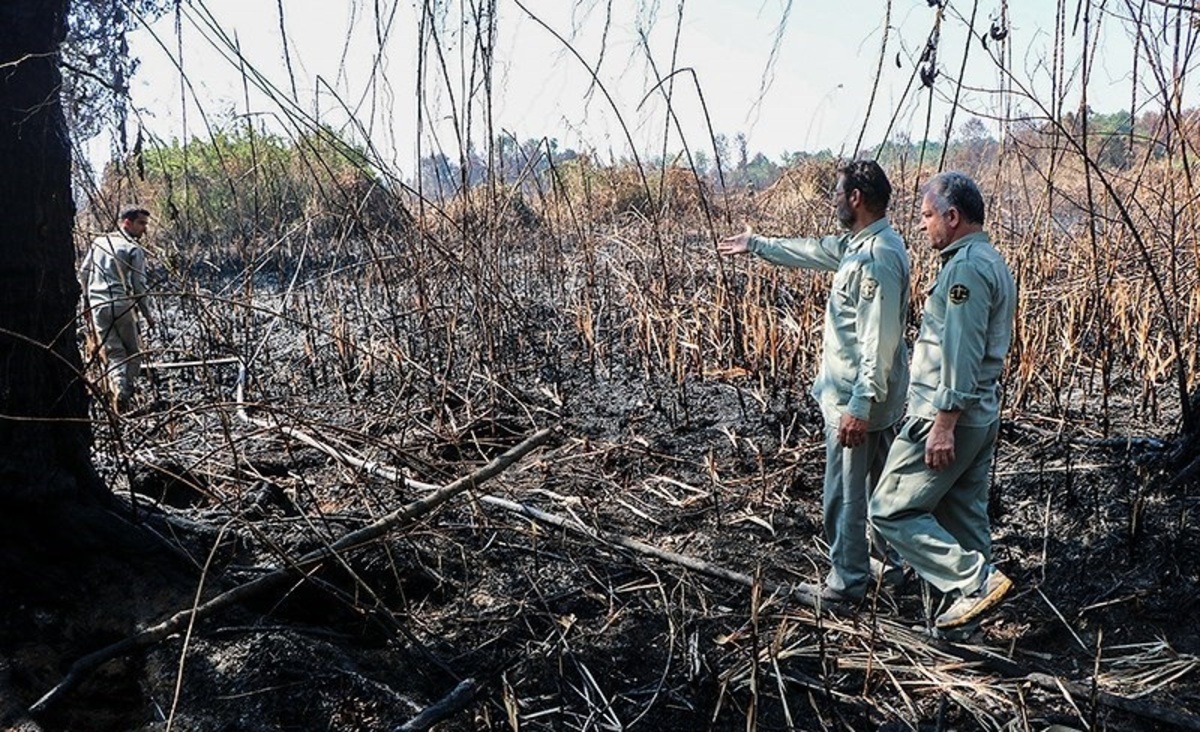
(825, 593)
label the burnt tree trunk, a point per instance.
(44, 433)
(56, 526)
(1183, 463)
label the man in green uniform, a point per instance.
(931, 502)
(114, 286)
(864, 365)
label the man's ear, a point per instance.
(953, 217)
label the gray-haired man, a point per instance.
(931, 501)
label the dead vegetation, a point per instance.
(330, 371)
(636, 570)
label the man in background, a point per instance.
(114, 287)
(864, 365)
(931, 503)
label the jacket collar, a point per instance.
(958, 244)
(868, 231)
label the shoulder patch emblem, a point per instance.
(959, 294)
(868, 288)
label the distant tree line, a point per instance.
(509, 161)
(1114, 140)
(199, 186)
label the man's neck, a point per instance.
(965, 231)
(863, 221)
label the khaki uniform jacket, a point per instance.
(114, 271)
(864, 363)
(965, 334)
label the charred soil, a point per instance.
(265, 438)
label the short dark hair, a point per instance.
(956, 190)
(129, 213)
(869, 179)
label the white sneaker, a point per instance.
(968, 607)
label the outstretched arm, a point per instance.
(735, 244)
(820, 253)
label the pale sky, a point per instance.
(790, 75)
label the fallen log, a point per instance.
(357, 539)
(889, 631)
(370, 467)
(457, 700)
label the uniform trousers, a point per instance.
(116, 327)
(938, 519)
(850, 475)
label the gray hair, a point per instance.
(956, 190)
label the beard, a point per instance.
(845, 215)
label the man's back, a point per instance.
(116, 270)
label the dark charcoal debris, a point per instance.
(560, 631)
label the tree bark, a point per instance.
(44, 434)
(1183, 462)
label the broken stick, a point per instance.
(398, 519)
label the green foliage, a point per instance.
(800, 158)
(903, 152)
(243, 184)
(202, 186)
(1110, 135)
(1117, 123)
(760, 172)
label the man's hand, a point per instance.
(852, 431)
(736, 244)
(939, 446)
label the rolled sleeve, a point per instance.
(948, 400)
(859, 407)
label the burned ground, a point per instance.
(557, 627)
